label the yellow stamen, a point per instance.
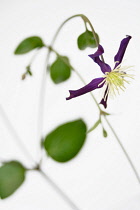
(116, 79)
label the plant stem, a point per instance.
(56, 34)
(123, 149)
(93, 32)
(34, 56)
(41, 103)
(85, 19)
(117, 138)
(59, 191)
(16, 137)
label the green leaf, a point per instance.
(12, 175)
(60, 70)
(64, 143)
(86, 39)
(29, 44)
(104, 133)
(94, 126)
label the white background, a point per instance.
(99, 177)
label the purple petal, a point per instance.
(94, 84)
(119, 56)
(104, 99)
(104, 67)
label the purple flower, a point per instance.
(113, 79)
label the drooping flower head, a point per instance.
(113, 79)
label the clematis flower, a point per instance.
(113, 79)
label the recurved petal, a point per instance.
(123, 45)
(104, 67)
(99, 52)
(94, 84)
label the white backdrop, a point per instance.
(99, 177)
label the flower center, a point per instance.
(116, 79)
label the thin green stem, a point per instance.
(86, 20)
(59, 191)
(61, 26)
(34, 56)
(93, 32)
(56, 35)
(86, 26)
(15, 135)
(117, 138)
(123, 149)
(41, 103)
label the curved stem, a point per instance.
(56, 34)
(93, 32)
(123, 149)
(86, 20)
(34, 56)
(60, 27)
(41, 103)
(16, 137)
(59, 191)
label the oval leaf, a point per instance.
(60, 70)
(12, 175)
(64, 143)
(29, 44)
(86, 39)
